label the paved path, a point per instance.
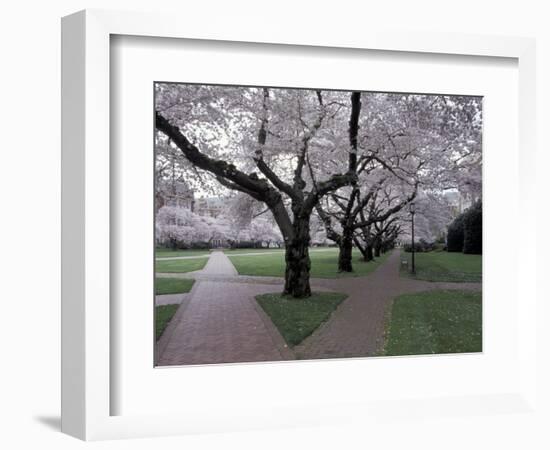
(247, 279)
(219, 265)
(220, 321)
(220, 325)
(356, 328)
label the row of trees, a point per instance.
(353, 160)
(178, 227)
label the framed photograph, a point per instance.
(285, 223)
(268, 229)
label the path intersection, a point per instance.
(219, 321)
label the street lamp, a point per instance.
(412, 211)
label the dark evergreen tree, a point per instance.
(455, 235)
(473, 229)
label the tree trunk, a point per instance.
(346, 248)
(297, 260)
(377, 250)
(362, 248)
(369, 256)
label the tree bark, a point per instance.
(346, 248)
(346, 241)
(370, 255)
(298, 264)
(377, 248)
(365, 249)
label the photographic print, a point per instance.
(300, 224)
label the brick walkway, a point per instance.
(219, 265)
(220, 324)
(356, 328)
(220, 321)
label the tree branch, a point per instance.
(259, 157)
(275, 180)
(331, 232)
(354, 129)
(217, 167)
(231, 176)
(324, 187)
(373, 219)
(299, 182)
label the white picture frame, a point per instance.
(86, 285)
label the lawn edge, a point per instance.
(321, 324)
(162, 342)
(284, 348)
(175, 278)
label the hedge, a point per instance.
(455, 235)
(473, 229)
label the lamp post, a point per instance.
(412, 211)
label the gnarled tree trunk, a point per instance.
(377, 248)
(365, 249)
(298, 264)
(345, 245)
(369, 255)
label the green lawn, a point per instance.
(180, 265)
(169, 253)
(173, 285)
(444, 266)
(324, 264)
(163, 315)
(238, 251)
(295, 318)
(434, 322)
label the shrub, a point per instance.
(427, 246)
(455, 235)
(473, 229)
(421, 246)
(175, 244)
(246, 244)
(198, 245)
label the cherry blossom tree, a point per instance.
(258, 141)
(400, 144)
(177, 226)
(180, 227)
(349, 161)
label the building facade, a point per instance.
(174, 193)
